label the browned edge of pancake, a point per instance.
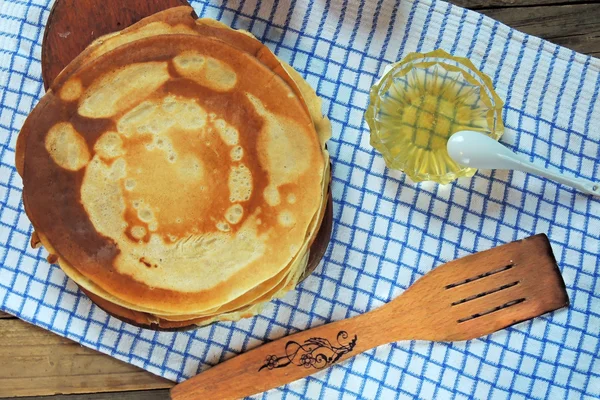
(136, 318)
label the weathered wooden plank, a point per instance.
(574, 26)
(4, 315)
(478, 4)
(157, 394)
(572, 23)
(38, 362)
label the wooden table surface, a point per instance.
(38, 363)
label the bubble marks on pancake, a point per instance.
(206, 71)
(286, 218)
(234, 214)
(228, 133)
(281, 149)
(119, 90)
(236, 153)
(153, 133)
(157, 123)
(138, 232)
(102, 198)
(67, 147)
(155, 117)
(71, 90)
(106, 197)
(240, 183)
(109, 146)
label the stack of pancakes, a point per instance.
(177, 172)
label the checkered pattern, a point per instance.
(388, 231)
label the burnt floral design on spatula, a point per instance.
(316, 353)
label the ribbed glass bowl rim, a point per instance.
(437, 56)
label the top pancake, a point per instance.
(176, 21)
(179, 20)
(176, 172)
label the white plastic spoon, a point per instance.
(477, 150)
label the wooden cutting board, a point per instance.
(74, 24)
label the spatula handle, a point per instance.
(285, 360)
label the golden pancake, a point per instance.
(120, 175)
(178, 19)
(150, 320)
(253, 296)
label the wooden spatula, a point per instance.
(460, 300)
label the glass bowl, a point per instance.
(420, 102)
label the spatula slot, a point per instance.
(482, 294)
(484, 275)
(495, 309)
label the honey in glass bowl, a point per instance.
(420, 102)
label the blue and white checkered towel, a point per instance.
(388, 231)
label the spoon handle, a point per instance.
(476, 150)
(584, 185)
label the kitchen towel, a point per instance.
(387, 231)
